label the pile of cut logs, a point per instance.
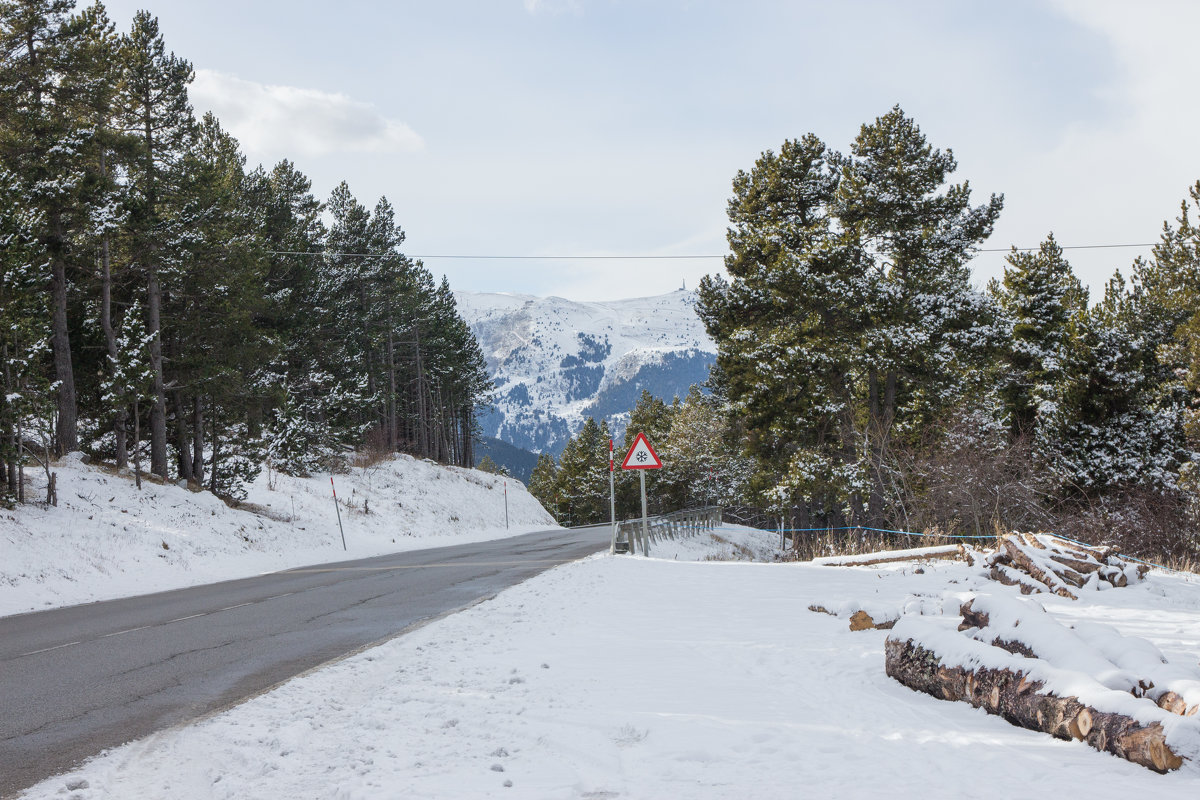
(1042, 562)
(1090, 683)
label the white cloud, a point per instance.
(1113, 179)
(553, 6)
(289, 121)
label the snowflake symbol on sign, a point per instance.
(642, 456)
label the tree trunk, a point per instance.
(183, 437)
(392, 433)
(158, 412)
(198, 439)
(212, 477)
(137, 443)
(120, 414)
(1023, 702)
(422, 410)
(66, 436)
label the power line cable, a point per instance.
(697, 257)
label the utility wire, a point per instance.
(647, 258)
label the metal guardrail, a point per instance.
(634, 536)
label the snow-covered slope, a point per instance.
(633, 678)
(556, 362)
(107, 539)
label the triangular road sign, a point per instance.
(641, 455)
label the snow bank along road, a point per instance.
(77, 680)
(630, 678)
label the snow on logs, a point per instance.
(1117, 693)
(949, 551)
(1043, 562)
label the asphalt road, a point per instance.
(77, 680)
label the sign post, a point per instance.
(337, 509)
(612, 498)
(641, 456)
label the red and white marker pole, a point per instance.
(506, 504)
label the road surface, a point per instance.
(77, 680)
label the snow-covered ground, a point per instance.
(107, 539)
(665, 677)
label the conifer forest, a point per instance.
(862, 382)
(167, 308)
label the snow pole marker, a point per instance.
(506, 504)
(338, 510)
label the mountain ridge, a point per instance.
(556, 362)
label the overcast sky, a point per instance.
(603, 127)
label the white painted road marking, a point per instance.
(47, 649)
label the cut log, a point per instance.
(1084, 567)
(1024, 702)
(1170, 701)
(950, 551)
(1026, 564)
(1059, 564)
(862, 621)
(972, 618)
(1010, 576)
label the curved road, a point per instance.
(77, 680)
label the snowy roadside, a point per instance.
(628, 677)
(106, 539)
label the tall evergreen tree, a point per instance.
(850, 318)
(43, 139)
(215, 368)
(582, 480)
(543, 483)
(1041, 298)
(24, 334)
(155, 108)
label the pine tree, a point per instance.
(44, 141)
(1116, 424)
(155, 109)
(652, 417)
(487, 465)
(24, 334)
(1040, 297)
(850, 319)
(95, 58)
(544, 483)
(583, 475)
(701, 460)
(129, 380)
(214, 344)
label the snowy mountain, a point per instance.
(556, 362)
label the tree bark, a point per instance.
(212, 473)
(137, 443)
(158, 412)
(66, 436)
(392, 432)
(183, 437)
(120, 414)
(1022, 702)
(422, 410)
(198, 439)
